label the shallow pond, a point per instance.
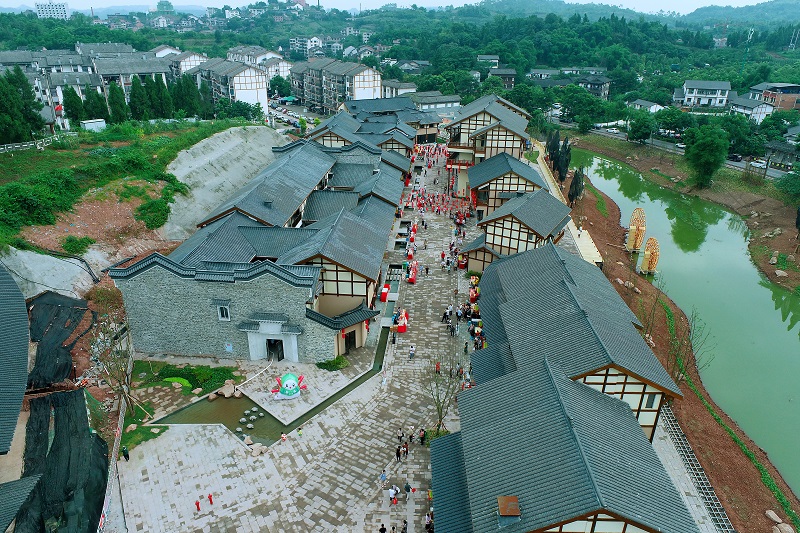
(705, 265)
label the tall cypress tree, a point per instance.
(576, 187)
(116, 104)
(30, 106)
(140, 103)
(13, 128)
(95, 105)
(166, 108)
(151, 87)
(73, 107)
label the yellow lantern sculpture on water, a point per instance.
(651, 254)
(636, 231)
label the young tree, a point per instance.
(186, 96)
(140, 103)
(95, 105)
(206, 101)
(73, 106)
(442, 387)
(642, 126)
(116, 104)
(280, 85)
(576, 187)
(564, 158)
(151, 88)
(706, 150)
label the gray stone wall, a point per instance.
(169, 314)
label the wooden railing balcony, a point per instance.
(459, 163)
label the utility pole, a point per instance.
(746, 50)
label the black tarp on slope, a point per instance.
(74, 467)
(53, 319)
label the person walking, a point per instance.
(400, 435)
(382, 529)
(465, 347)
(408, 490)
(397, 454)
(422, 435)
(411, 352)
(405, 450)
(125, 453)
(392, 494)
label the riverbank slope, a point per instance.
(737, 481)
(757, 204)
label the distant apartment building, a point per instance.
(394, 88)
(182, 63)
(596, 85)
(165, 50)
(493, 60)
(781, 96)
(507, 76)
(305, 45)
(121, 70)
(52, 10)
(251, 55)
(236, 82)
(702, 93)
(324, 83)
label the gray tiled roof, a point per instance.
(539, 211)
(347, 240)
(296, 275)
(15, 334)
(384, 185)
(499, 109)
(220, 241)
(272, 242)
(343, 320)
(703, 84)
(269, 317)
(579, 320)
(349, 175)
(492, 362)
(132, 64)
(275, 193)
(379, 105)
(500, 165)
(322, 204)
(571, 452)
(449, 482)
(397, 160)
(748, 103)
(12, 495)
(376, 212)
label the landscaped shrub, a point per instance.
(204, 377)
(154, 213)
(182, 381)
(337, 363)
(77, 245)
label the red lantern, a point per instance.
(366, 323)
(342, 333)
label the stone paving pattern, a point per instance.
(326, 479)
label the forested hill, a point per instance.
(759, 16)
(524, 8)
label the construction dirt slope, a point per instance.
(214, 169)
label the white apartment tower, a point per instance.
(52, 10)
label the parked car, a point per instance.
(680, 145)
(612, 130)
(734, 157)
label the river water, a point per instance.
(705, 265)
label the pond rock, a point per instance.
(781, 274)
(198, 390)
(243, 420)
(260, 414)
(131, 428)
(791, 258)
(253, 417)
(248, 440)
(213, 396)
(155, 430)
(237, 394)
(773, 260)
(772, 515)
(785, 528)
(176, 385)
(249, 426)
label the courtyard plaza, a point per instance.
(328, 478)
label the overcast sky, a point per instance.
(647, 6)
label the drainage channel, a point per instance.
(696, 472)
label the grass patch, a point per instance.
(129, 191)
(35, 185)
(182, 381)
(152, 373)
(338, 363)
(766, 477)
(532, 156)
(600, 202)
(142, 433)
(433, 434)
(76, 245)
